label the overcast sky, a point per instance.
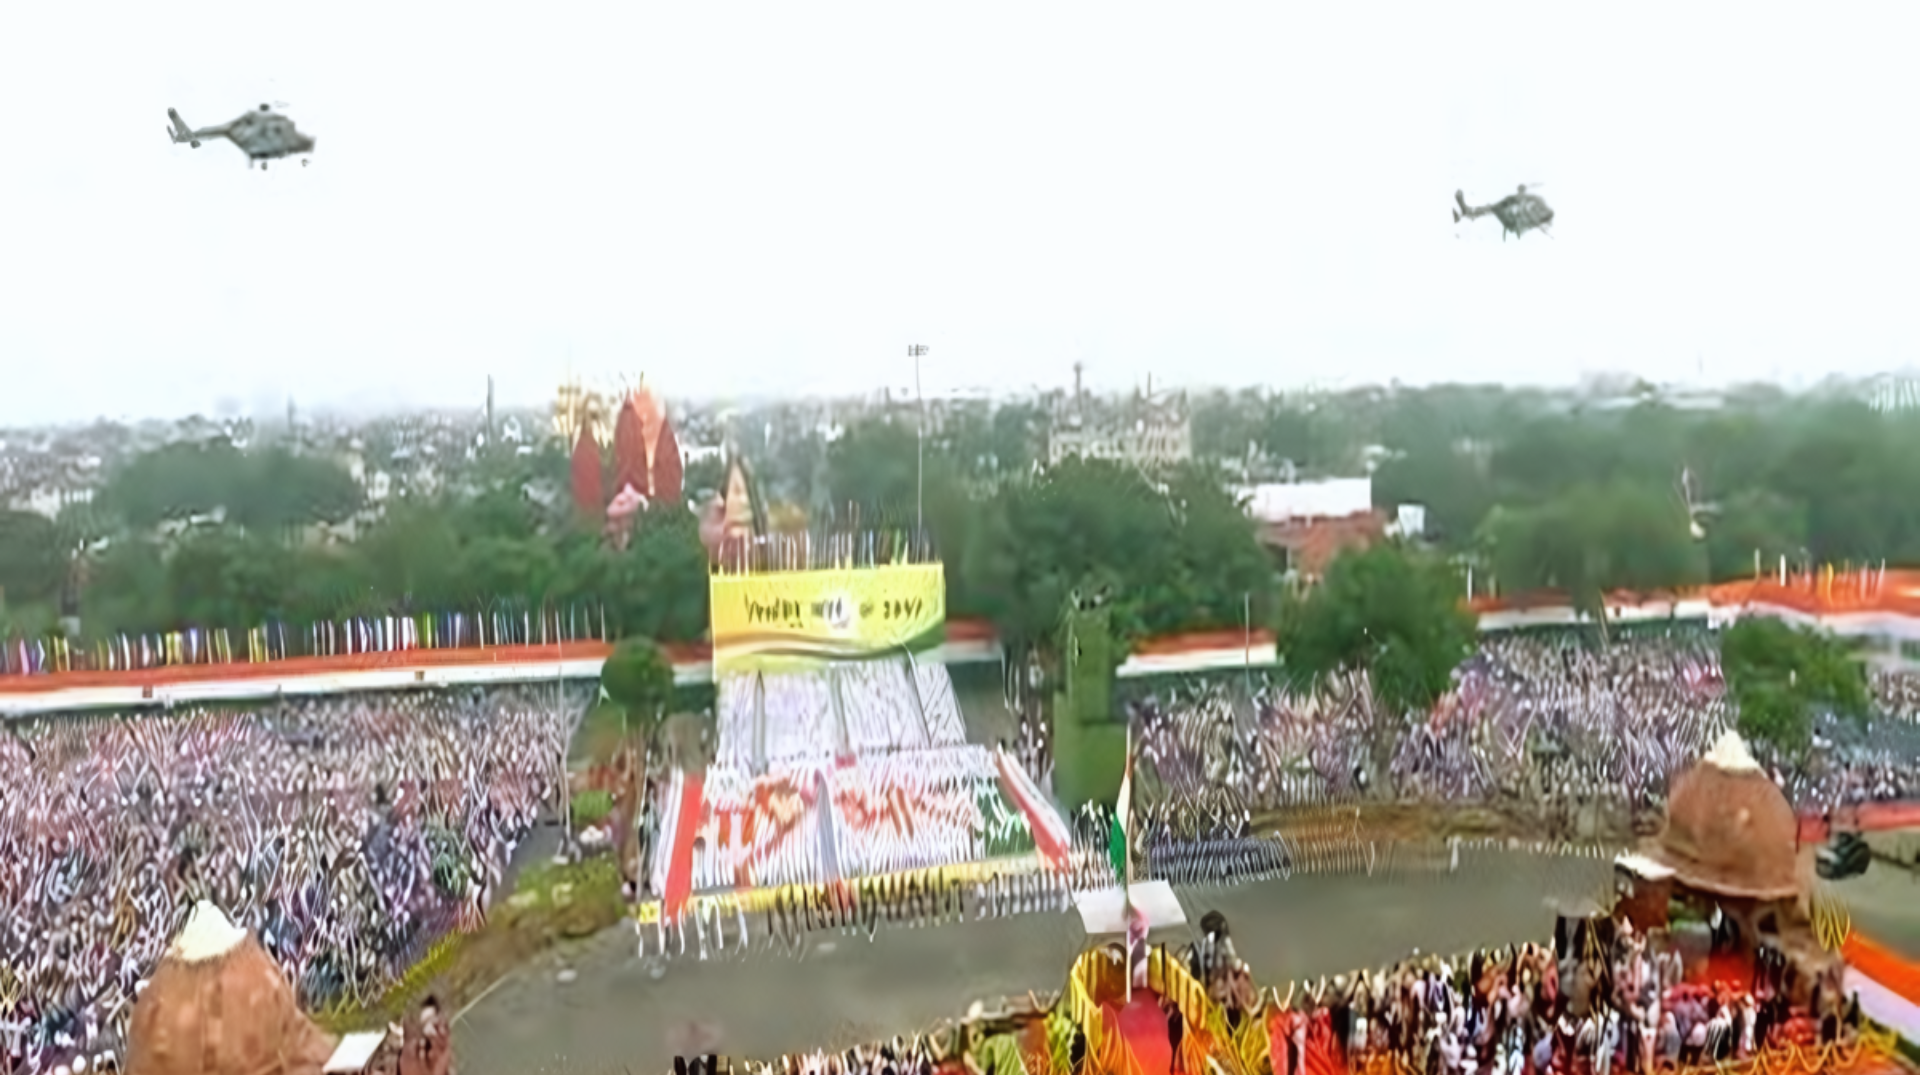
(738, 198)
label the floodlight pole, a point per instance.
(920, 465)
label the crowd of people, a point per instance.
(1897, 693)
(348, 832)
(1552, 722)
(1601, 1000)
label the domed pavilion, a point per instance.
(217, 1003)
(1730, 851)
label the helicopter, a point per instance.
(1697, 511)
(262, 134)
(1517, 212)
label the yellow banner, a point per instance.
(808, 617)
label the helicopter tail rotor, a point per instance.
(179, 131)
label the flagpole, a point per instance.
(1125, 816)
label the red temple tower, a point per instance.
(589, 484)
(630, 451)
(668, 471)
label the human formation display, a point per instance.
(863, 767)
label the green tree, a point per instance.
(1019, 435)
(33, 561)
(1175, 553)
(1216, 574)
(127, 589)
(1390, 612)
(1754, 520)
(873, 466)
(410, 557)
(704, 477)
(658, 588)
(177, 481)
(218, 578)
(1595, 538)
(277, 490)
(638, 678)
(1782, 677)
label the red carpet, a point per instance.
(1867, 818)
(1142, 1025)
(1883, 965)
(686, 827)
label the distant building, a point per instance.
(1309, 524)
(1146, 430)
(50, 500)
(1893, 393)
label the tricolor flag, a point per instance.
(1119, 843)
(1049, 829)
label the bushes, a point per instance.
(591, 808)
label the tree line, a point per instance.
(1528, 489)
(1632, 489)
(215, 536)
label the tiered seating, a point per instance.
(768, 825)
(736, 708)
(911, 809)
(878, 705)
(939, 705)
(799, 711)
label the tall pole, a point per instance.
(1246, 601)
(920, 466)
(560, 719)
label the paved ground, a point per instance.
(1885, 902)
(612, 1017)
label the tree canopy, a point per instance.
(207, 535)
(1389, 612)
(1174, 553)
(32, 562)
(1618, 487)
(271, 489)
(1809, 477)
(1782, 678)
(639, 679)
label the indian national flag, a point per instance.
(1119, 843)
(1049, 830)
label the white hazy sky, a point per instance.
(740, 198)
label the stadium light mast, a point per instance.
(920, 465)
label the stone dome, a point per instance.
(217, 1003)
(1729, 829)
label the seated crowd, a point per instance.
(348, 832)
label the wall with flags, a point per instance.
(47, 675)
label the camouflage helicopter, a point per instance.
(263, 134)
(1517, 212)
